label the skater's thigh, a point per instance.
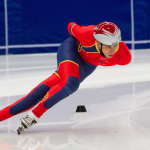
(68, 51)
(68, 59)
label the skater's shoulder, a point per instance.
(122, 44)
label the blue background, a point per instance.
(2, 24)
(45, 22)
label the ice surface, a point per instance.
(117, 100)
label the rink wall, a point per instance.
(40, 26)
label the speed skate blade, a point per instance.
(20, 130)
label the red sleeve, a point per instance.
(125, 54)
(80, 32)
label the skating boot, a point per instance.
(27, 122)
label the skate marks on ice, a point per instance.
(117, 106)
(116, 119)
(78, 140)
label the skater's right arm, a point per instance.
(81, 33)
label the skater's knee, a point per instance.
(40, 91)
(68, 88)
(72, 85)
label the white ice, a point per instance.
(117, 100)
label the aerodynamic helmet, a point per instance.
(107, 33)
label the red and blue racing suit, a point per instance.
(77, 57)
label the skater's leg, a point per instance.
(69, 83)
(70, 79)
(68, 60)
(70, 68)
(31, 99)
(72, 71)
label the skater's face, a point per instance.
(108, 51)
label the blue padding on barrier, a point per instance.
(2, 51)
(140, 20)
(2, 24)
(142, 46)
(33, 50)
(48, 22)
(15, 26)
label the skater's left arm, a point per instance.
(81, 33)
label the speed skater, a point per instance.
(77, 57)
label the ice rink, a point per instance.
(117, 100)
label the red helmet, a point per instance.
(107, 33)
